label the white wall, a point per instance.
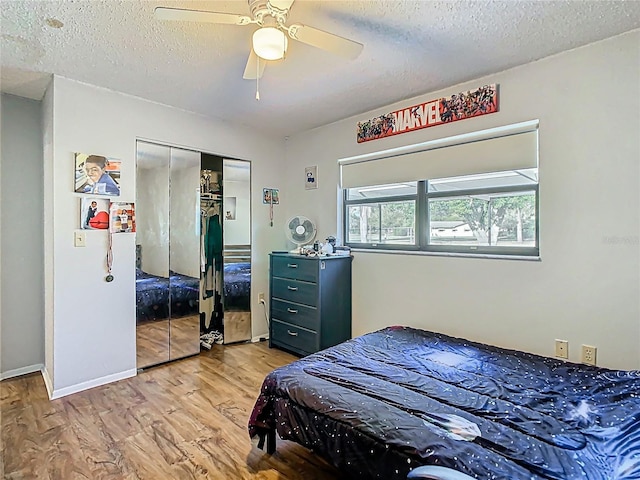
(238, 231)
(47, 149)
(22, 280)
(152, 218)
(184, 245)
(585, 288)
(93, 321)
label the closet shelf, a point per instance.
(210, 196)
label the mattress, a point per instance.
(154, 295)
(237, 285)
(382, 404)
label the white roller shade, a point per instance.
(441, 159)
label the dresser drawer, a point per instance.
(296, 268)
(295, 291)
(294, 337)
(295, 314)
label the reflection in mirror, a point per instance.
(184, 241)
(237, 250)
(211, 228)
(152, 254)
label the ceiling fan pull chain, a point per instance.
(258, 79)
(284, 46)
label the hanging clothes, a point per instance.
(211, 263)
(213, 254)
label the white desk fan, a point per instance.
(300, 231)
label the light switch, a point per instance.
(79, 239)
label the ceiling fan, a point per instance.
(270, 40)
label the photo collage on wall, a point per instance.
(99, 176)
(270, 196)
(100, 214)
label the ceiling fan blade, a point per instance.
(179, 14)
(281, 4)
(325, 40)
(255, 67)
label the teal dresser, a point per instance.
(310, 302)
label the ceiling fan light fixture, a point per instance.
(269, 43)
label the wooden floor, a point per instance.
(183, 420)
(163, 340)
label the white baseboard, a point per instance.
(21, 371)
(47, 381)
(260, 337)
(79, 387)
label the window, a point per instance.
(475, 193)
(383, 214)
(485, 213)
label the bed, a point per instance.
(383, 404)
(237, 285)
(153, 293)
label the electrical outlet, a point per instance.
(261, 297)
(589, 354)
(562, 348)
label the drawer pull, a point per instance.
(292, 265)
(293, 289)
(293, 334)
(291, 310)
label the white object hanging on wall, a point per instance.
(311, 177)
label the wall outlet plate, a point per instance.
(589, 353)
(261, 297)
(562, 348)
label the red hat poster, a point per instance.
(94, 213)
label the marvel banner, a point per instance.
(459, 106)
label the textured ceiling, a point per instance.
(411, 47)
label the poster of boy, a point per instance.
(97, 174)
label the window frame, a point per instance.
(423, 222)
(376, 200)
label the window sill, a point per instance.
(449, 254)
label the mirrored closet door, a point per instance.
(236, 176)
(167, 253)
(225, 201)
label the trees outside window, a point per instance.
(488, 213)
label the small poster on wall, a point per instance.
(229, 208)
(311, 177)
(94, 213)
(270, 196)
(123, 218)
(97, 175)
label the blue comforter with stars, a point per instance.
(382, 404)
